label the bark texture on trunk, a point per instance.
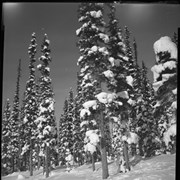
(30, 159)
(47, 162)
(105, 172)
(126, 157)
(93, 162)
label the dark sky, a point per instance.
(147, 22)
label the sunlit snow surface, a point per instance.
(157, 168)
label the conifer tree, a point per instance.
(46, 118)
(77, 135)
(30, 108)
(37, 142)
(165, 86)
(119, 60)
(146, 123)
(63, 133)
(6, 131)
(129, 51)
(93, 62)
(70, 117)
(24, 156)
(14, 123)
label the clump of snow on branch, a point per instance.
(96, 14)
(115, 119)
(157, 69)
(78, 31)
(165, 44)
(170, 132)
(174, 91)
(157, 84)
(25, 120)
(104, 51)
(109, 74)
(129, 80)
(131, 102)
(104, 37)
(123, 94)
(83, 112)
(174, 105)
(90, 104)
(105, 98)
(165, 77)
(25, 149)
(111, 60)
(39, 66)
(94, 49)
(92, 140)
(131, 138)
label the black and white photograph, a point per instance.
(89, 90)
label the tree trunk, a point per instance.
(44, 162)
(140, 148)
(19, 154)
(30, 159)
(126, 157)
(12, 164)
(39, 162)
(118, 163)
(93, 162)
(133, 149)
(25, 161)
(38, 157)
(47, 162)
(105, 173)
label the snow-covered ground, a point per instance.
(157, 168)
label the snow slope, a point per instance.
(157, 168)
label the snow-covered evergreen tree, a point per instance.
(146, 124)
(93, 63)
(24, 156)
(69, 120)
(77, 134)
(5, 138)
(70, 137)
(165, 86)
(15, 125)
(46, 119)
(119, 67)
(30, 108)
(63, 133)
(129, 52)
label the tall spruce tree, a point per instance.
(6, 131)
(63, 133)
(119, 60)
(24, 156)
(30, 108)
(46, 118)
(15, 123)
(70, 118)
(79, 133)
(146, 123)
(93, 62)
(165, 86)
